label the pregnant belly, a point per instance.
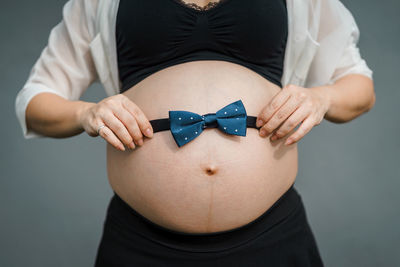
(217, 181)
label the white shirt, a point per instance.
(321, 48)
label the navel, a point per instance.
(211, 169)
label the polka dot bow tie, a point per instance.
(186, 126)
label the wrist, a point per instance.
(81, 109)
(325, 94)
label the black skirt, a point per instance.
(279, 237)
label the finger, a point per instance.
(276, 102)
(141, 119)
(117, 127)
(130, 124)
(110, 137)
(281, 115)
(294, 119)
(304, 128)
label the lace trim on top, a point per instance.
(195, 6)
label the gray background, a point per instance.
(54, 192)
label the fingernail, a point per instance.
(274, 137)
(288, 141)
(132, 145)
(148, 132)
(122, 147)
(263, 132)
(259, 123)
(140, 142)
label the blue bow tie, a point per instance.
(186, 126)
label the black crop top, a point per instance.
(154, 34)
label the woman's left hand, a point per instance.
(291, 106)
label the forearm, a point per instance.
(348, 97)
(54, 116)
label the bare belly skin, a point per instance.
(217, 181)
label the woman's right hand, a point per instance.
(124, 120)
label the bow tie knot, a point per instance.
(186, 125)
(210, 120)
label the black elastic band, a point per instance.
(163, 124)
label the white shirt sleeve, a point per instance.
(338, 53)
(65, 66)
(351, 60)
